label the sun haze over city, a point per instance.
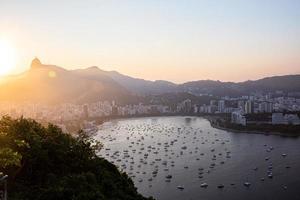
(155, 40)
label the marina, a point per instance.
(186, 158)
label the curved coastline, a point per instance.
(254, 132)
(210, 118)
(196, 133)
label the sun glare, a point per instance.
(7, 58)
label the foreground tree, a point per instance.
(44, 163)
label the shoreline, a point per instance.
(207, 117)
(254, 132)
(281, 134)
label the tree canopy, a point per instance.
(43, 163)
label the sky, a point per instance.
(175, 40)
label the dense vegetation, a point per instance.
(43, 163)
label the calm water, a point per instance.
(191, 152)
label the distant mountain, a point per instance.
(172, 99)
(287, 83)
(141, 86)
(209, 87)
(53, 84)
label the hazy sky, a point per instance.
(158, 39)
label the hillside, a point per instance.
(43, 163)
(53, 84)
(286, 83)
(141, 86)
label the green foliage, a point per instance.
(9, 158)
(44, 163)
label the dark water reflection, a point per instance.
(192, 152)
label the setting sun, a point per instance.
(7, 57)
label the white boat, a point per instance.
(180, 187)
(247, 184)
(204, 185)
(270, 175)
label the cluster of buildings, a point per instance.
(69, 112)
(250, 104)
(279, 110)
(240, 108)
(255, 109)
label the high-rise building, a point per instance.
(213, 102)
(269, 107)
(265, 107)
(262, 107)
(241, 105)
(249, 107)
(221, 106)
(187, 105)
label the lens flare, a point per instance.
(52, 74)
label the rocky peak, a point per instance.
(36, 63)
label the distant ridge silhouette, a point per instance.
(53, 84)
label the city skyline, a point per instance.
(171, 40)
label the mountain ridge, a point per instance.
(54, 84)
(288, 83)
